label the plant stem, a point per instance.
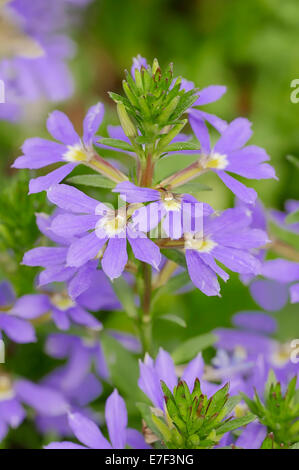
(146, 326)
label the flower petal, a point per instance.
(201, 275)
(45, 256)
(84, 249)
(193, 371)
(87, 432)
(115, 257)
(237, 133)
(164, 366)
(31, 306)
(71, 199)
(210, 94)
(239, 189)
(61, 128)
(116, 420)
(92, 122)
(144, 249)
(43, 183)
(17, 329)
(69, 225)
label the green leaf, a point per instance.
(293, 218)
(193, 187)
(293, 160)
(235, 424)
(174, 255)
(96, 181)
(232, 403)
(180, 146)
(125, 295)
(188, 349)
(146, 414)
(117, 143)
(295, 446)
(174, 319)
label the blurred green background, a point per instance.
(250, 46)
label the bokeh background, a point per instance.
(251, 46)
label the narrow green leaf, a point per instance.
(96, 181)
(180, 146)
(293, 160)
(174, 319)
(175, 255)
(188, 349)
(125, 295)
(146, 414)
(116, 143)
(235, 424)
(293, 218)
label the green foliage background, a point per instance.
(251, 47)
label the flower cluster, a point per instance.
(118, 245)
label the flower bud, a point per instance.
(125, 121)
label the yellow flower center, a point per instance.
(171, 202)
(240, 410)
(113, 223)
(281, 356)
(62, 301)
(77, 153)
(199, 243)
(6, 390)
(215, 161)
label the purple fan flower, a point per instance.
(138, 62)
(279, 217)
(72, 150)
(91, 437)
(177, 211)
(228, 239)
(83, 281)
(152, 372)
(64, 310)
(34, 66)
(230, 155)
(282, 282)
(97, 224)
(11, 411)
(251, 343)
(17, 329)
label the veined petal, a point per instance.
(164, 366)
(43, 399)
(61, 128)
(45, 256)
(210, 94)
(201, 275)
(84, 249)
(239, 189)
(82, 317)
(116, 419)
(68, 225)
(92, 122)
(144, 249)
(115, 257)
(87, 432)
(71, 199)
(36, 161)
(149, 383)
(146, 218)
(238, 261)
(200, 129)
(43, 183)
(237, 133)
(215, 121)
(132, 193)
(194, 370)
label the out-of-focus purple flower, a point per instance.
(252, 436)
(64, 310)
(11, 411)
(72, 150)
(152, 372)
(138, 63)
(231, 155)
(282, 282)
(17, 329)
(102, 225)
(86, 282)
(34, 65)
(251, 343)
(87, 432)
(175, 210)
(227, 238)
(279, 217)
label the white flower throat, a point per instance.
(77, 153)
(171, 202)
(214, 160)
(199, 243)
(6, 389)
(114, 222)
(62, 301)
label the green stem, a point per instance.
(146, 323)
